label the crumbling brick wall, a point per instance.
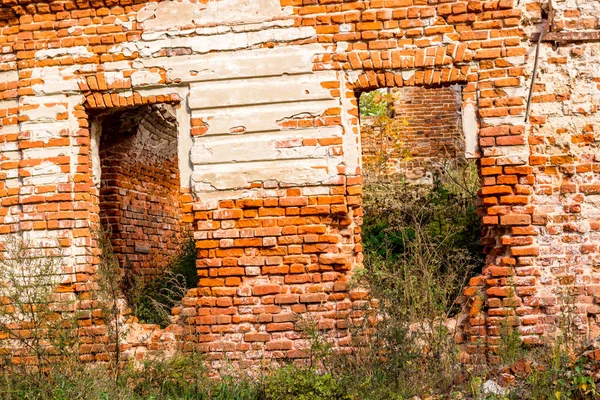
(427, 132)
(265, 96)
(140, 187)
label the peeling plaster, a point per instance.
(169, 14)
(76, 51)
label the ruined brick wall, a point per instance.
(139, 187)
(269, 152)
(426, 132)
(564, 161)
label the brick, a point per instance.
(287, 298)
(260, 290)
(228, 214)
(282, 326)
(525, 251)
(515, 219)
(257, 337)
(496, 190)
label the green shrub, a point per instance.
(558, 373)
(373, 103)
(179, 377)
(236, 388)
(302, 383)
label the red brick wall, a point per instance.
(139, 190)
(539, 177)
(426, 132)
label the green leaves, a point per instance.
(373, 104)
(298, 383)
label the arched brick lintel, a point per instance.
(374, 79)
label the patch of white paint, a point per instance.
(75, 51)
(168, 14)
(9, 76)
(281, 89)
(470, 130)
(205, 44)
(184, 140)
(44, 113)
(351, 138)
(95, 136)
(261, 147)
(145, 78)
(208, 178)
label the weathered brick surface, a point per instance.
(269, 149)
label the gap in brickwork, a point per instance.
(139, 186)
(411, 131)
(420, 193)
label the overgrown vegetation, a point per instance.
(420, 250)
(415, 270)
(152, 300)
(37, 324)
(385, 133)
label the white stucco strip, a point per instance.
(261, 118)
(44, 113)
(470, 130)
(59, 80)
(7, 129)
(258, 91)
(9, 76)
(225, 42)
(209, 178)
(45, 130)
(6, 104)
(46, 179)
(43, 153)
(184, 139)
(9, 147)
(144, 78)
(242, 64)
(351, 142)
(257, 147)
(169, 14)
(75, 51)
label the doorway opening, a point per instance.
(421, 232)
(137, 173)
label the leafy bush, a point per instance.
(302, 383)
(31, 313)
(373, 103)
(181, 377)
(420, 244)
